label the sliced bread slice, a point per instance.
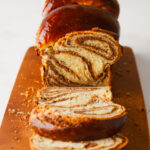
(77, 114)
(116, 142)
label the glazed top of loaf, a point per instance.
(109, 5)
(71, 18)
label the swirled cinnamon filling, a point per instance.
(78, 102)
(80, 58)
(116, 142)
(68, 111)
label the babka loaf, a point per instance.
(109, 5)
(72, 18)
(117, 142)
(78, 45)
(77, 114)
(81, 58)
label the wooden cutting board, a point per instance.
(15, 132)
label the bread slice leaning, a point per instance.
(116, 142)
(77, 114)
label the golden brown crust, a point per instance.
(113, 34)
(71, 18)
(83, 129)
(109, 5)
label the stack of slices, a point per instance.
(78, 45)
(86, 116)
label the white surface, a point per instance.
(19, 21)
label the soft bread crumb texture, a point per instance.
(77, 102)
(116, 142)
(81, 58)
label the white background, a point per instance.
(19, 21)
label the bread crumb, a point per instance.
(20, 113)
(16, 131)
(11, 111)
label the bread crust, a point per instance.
(109, 5)
(71, 18)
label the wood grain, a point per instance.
(15, 132)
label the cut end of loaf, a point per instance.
(81, 58)
(116, 142)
